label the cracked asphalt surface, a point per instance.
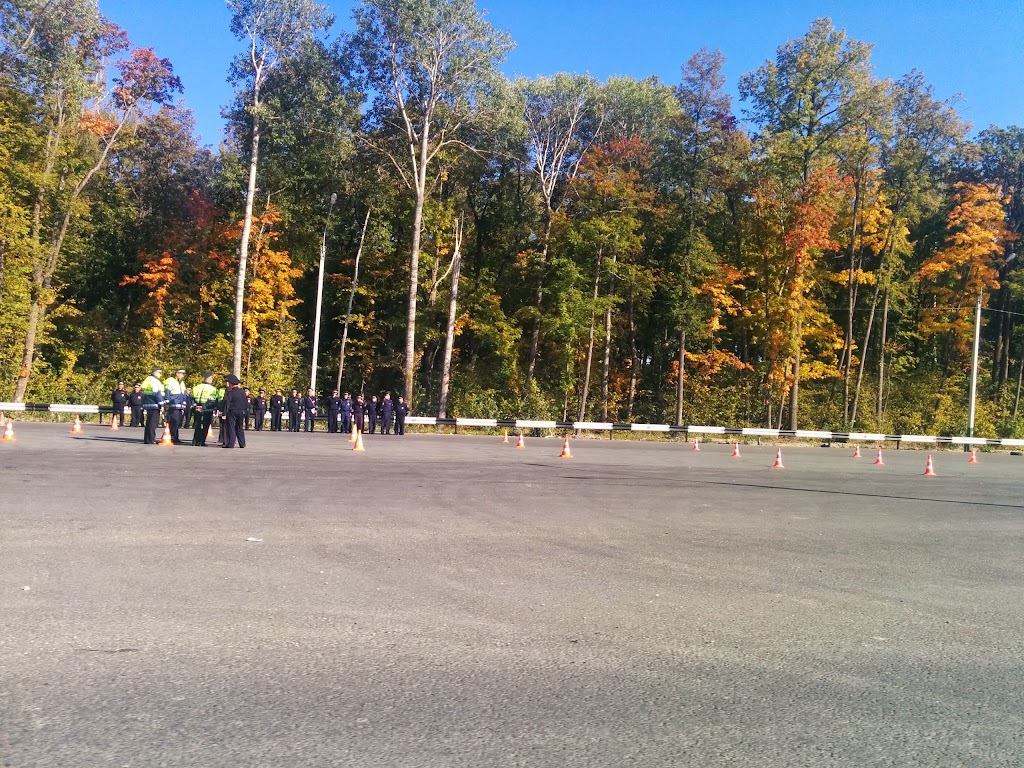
(450, 601)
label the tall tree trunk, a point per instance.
(851, 300)
(794, 390)
(414, 266)
(1020, 380)
(538, 304)
(879, 405)
(243, 248)
(634, 368)
(449, 339)
(585, 394)
(682, 376)
(607, 363)
(863, 359)
(351, 300)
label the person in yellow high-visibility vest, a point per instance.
(174, 389)
(152, 401)
(205, 395)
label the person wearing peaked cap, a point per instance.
(276, 409)
(236, 406)
(152, 401)
(174, 389)
(135, 401)
(205, 395)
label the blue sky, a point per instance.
(971, 47)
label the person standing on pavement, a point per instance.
(309, 407)
(333, 410)
(401, 411)
(135, 401)
(387, 413)
(346, 413)
(152, 401)
(190, 408)
(372, 413)
(294, 409)
(174, 389)
(248, 413)
(276, 409)
(205, 396)
(259, 409)
(358, 409)
(236, 407)
(119, 399)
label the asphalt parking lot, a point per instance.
(446, 600)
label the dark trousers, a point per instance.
(400, 425)
(346, 421)
(234, 425)
(294, 421)
(310, 422)
(332, 421)
(118, 414)
(186, 418)
(152, 422)
(136, 416)
(275, 421)
(174, 423)
(203, 422)
(385, 424)
(373, 422)
(260, 417)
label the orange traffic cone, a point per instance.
(76, 428)
(566, 453)
(165, 438)
(736, 451)
(974, 457)
(504, 440)
(113, 423)
(696, 445)
(878, 459)
(929, 470)
(856, 452)
(8, 432)
(209, 432)
(521, 443)
(359, 442)
(353, 435)
(778, 460)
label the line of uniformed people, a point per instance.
(182, 406)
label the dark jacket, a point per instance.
(259, 405)
(334, 405)
(135, 399)
(119, 397)
(402, 409)
(309, 404)
(346, 405)
(387, 408)
(235, 401)
(294, 404)
(276, 403)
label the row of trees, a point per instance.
(548, 247)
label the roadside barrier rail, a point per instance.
(598, 426)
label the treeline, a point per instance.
(556, 247)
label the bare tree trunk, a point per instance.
(351, 299)
(681, 377)
(1020, 379)
(243, 248)
(863, 359)
(880, 405)
(449, 340)
(607, 364)
(851, 300)
(584, 396)
(634, 368)
(414, 266)
(794, 391)
(538, 305)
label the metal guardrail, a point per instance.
(595, 426)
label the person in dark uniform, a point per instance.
(206, 403)
(387, 413)
(135, 401)
(249, 399)
(309, 407)
(276, 409)
(401, 411)
(190, 406)
(372, 414)
(358, 409)
(119, 399)
(259, 409)
(333, 410)
(153, 401)
(346, 413)
(236, 407)
(294, 404)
